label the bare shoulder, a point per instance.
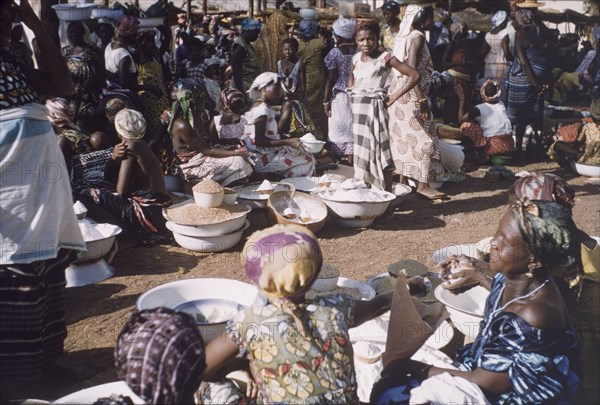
(542, 314)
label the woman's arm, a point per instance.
(351, 78)
(285, 118)
(366, 310)
(520, 54)
(186, 133)
(506, 48)
(413, 79)
(218, 352)
(302, 90)
(260, 129)
(494, 383)
(126, 175)
(332, 75)
(57, 79)
(237, 61)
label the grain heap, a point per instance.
(189, 213)
(208, 187)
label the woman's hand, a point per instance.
(327, 109)
(467, 271)
(424, 111)
(294, 143)
(120, 151)
(243, 152)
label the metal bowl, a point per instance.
(587, 170)
(466, 309)
(249, 195)
(98, 248)
(314, 206)
(211, 314)
(80, 274)
(208, 244)
(218, 229)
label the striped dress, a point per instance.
(372, 154)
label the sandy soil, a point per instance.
(96, 313)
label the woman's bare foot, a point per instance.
(425, 191)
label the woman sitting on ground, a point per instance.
(140, 188)
(272, 156)
(229, 128)
(196, 158)
(487, 127)
(299, 349)
(526, 350)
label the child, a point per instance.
(370, 70)
(292, 67)
(299, 349)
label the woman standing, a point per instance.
(85, 65)
(527, 78)
(336, 101)
(310, 52)
(370, 70)
(495, 51)
(391, 10)
(414, 143)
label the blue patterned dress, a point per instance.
(541, 363)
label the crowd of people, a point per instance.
(103, 119)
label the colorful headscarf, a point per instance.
(545, 187)
(495, 97)
(406, 27)
(524, 18)
(160, 355)
(60, 112)
(262, 81)
(250, 24)
(233, 100)
(344, 27)
(127, 26)
(391, 6)
(551, 235)
(282, 261)
(184, 97)
(308, 29)
(130, 124)
(498, 18)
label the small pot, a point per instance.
(209, 200)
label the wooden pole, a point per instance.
(251, 8)
(205, 7)
(188, 12)
(374, 6)
(258, 6)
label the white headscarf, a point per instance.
(344, 27)
(262, 81)
(400, 43)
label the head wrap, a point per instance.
(458, 27)
(282, 261)
(496, 96)
(392, 6)
(595, 109)
(498, 18)
(250, 24)
(130, 124)
(545, 187)
(233, 100)
(60, 112)
(127, 26)
(400, 46)
(551, 235)
(344, 27)
(160, 355)
(214, 61)
(524, 18)
(308, 28)
(186, 92)
(262, 81)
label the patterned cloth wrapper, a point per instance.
(233, 99)
(283, 261)
(128, 25)
(160, 355)
(549, 231)
(130, 124)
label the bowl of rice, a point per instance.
(208, 194)
(187, 218)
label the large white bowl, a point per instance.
(308, 13)
(221, 228)
(587, 170)
(207, 244)
(249, 195)
(313, 183)
(468, 249)
(91, 395)
(73, 12)
(111, 14)
(98, 248)
(356, 214)
(313, 147)
(227, 309)
(80, 274)
(466, 309)
(172, 294)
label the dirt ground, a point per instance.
(96, 313)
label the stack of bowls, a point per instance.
(212, 222)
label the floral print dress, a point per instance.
(291, 367)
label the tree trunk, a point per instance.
(50, 20)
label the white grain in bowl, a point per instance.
(208, 187)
